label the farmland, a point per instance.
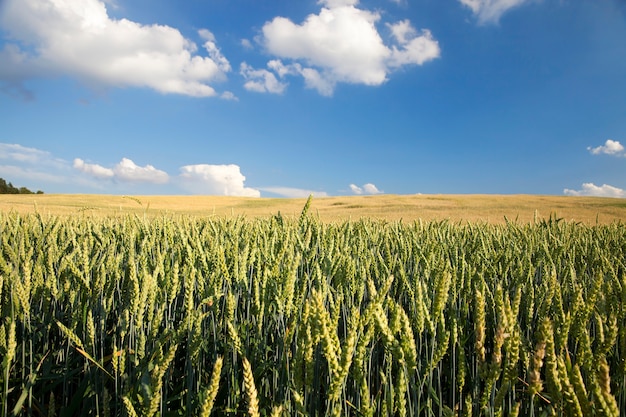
(475, 208)
(131, 306)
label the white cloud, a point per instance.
(371, 189)
(317, 81)
(39, 169)
(415, 49)
(246, 44)
(14, 67)
(79, 39)
(21, 153)
(214, 52)
(342, 44)
(343, 40)
(32, 174)
(32, 167)
(281, 69)
(590, 189)
(490, 11)
(403, 31)
(338, 3)
(229, 95)
(126, 170)
(293, 192)
(94, 170)
(215, 179)
(368, 188)
(265, 81)
(610, 147)
(32, 158)
(261, 80)
(356, 189)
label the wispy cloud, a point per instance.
(261, 80)
(368, 188)
(341, 44)
(78, 38)
(610, 147)
(31, 175)
(246, 44)
(293, 192)
(490, 11)
(229, 95)
(590, 189)
(31, 165)
(24, 154)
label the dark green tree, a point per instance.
(8, 188)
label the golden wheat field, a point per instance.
(482, 208)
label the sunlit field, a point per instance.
(482, 208)
(198, 306)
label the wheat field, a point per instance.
(157, 312)
(485, 208)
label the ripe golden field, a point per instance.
(456, 208)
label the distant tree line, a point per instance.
(8, 188)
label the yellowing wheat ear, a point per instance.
(211, 391)
(250, 389)
(129, 407)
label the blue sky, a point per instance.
(332, 97)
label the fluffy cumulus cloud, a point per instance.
(215, 179)
(94, 170)
(610, 147)
(126, 171)
(590, 189)
(38, 169)
(79, 39)
(490, 11)
(368, 188)
(342, 44)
